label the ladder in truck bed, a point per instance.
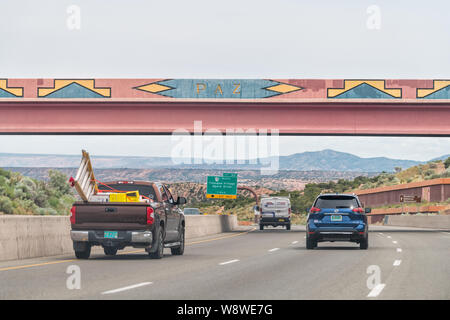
(84, 182)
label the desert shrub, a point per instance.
(447, 163)
(6, 205)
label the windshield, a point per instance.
(272, 203)
(336, 202)
(144, 190)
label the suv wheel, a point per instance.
(110, 251)
(364, 244)
(310, 244)
(179, 250)
(158, 254)
(84, 254)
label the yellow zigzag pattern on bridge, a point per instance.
(88, 84)
(18, 92)
(283, 88)
(437, 85)
(153, 87)
(350, 84)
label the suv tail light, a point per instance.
(73, 212)
(358, 210)
(314, 210)
(150, 215)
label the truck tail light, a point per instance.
(73, 212)
(314, 210)
(358, 210)
(289, 211)
(150, 215)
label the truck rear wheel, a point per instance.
(159, 250)
(85, 253)
(261, 227)
(179, 250)
(288, 226)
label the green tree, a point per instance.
(447, 163)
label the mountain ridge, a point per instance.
(326, 159)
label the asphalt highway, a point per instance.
(407, 263)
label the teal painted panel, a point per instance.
(364, 91)
(73, 90)
(219, 88)
(443, 93)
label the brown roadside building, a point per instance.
(436, 190)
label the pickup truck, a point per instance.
(115, 225)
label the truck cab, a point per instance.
(152, 224)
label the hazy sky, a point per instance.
(226, 39)
(413, 148)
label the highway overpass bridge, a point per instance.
(160, 106)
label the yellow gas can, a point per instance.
(130, 196)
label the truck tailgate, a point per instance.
(115, 216)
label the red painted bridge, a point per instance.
(160, 106)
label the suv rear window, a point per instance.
(336, 202)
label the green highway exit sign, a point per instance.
(227, 174)
(224, 187)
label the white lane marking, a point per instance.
(376, 290)
(394, 242)
(304, 237)
(389, 237)
(227, 262)
(274, 249)
(128, 288)
(399, 249)
(397, 263)
(294, 242)
(380, 232)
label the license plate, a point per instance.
(110, 234)
(336, 218)
(280, 219)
